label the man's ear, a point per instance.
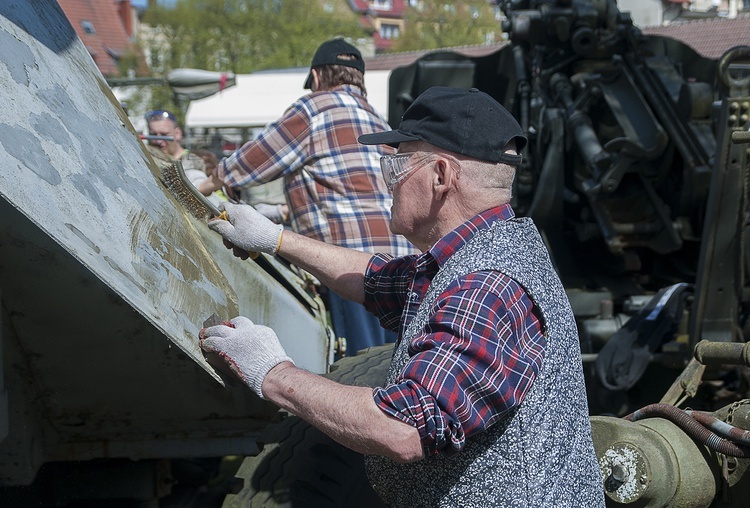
(177, 134)
(315, 84)
(444, 178)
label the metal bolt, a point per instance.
(617, 477)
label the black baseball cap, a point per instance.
(467, 122)
(328, 54)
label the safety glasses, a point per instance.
(395, 167)
(160, 114)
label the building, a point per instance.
(107, 28)
(647, 13)
(384, 19)
(709, 37)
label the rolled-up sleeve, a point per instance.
(386, 286)
(472, 363)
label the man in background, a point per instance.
(165, 136)
(331, 182)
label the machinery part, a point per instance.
(624, 358)
(105, 278)
(652, 464)
(722, 353)
(300, 466)
(737, 53)
(721, 428)
(720, 281)
(686, 384)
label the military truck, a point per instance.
(105, 281)
(635, 173)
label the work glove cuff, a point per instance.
(264, 362)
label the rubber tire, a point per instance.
(299, 466)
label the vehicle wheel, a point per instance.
(299, 466)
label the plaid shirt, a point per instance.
(479, 353)
(333, 184)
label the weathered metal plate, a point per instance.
(105, 278)
(72, 164)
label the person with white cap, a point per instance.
(484, 403)
(331, 182)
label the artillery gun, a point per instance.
(635, 173)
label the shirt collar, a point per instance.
(351, 89)
(453, 241)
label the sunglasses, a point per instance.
(160, 114)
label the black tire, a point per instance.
(299, 466)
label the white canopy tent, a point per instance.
(262, 97)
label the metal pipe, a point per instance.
(722, 353)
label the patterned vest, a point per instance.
(541, 454)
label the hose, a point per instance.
(692, 428)
(722, 428)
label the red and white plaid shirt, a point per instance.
(333, 184)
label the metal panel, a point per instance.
(106, 279)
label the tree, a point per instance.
(241, 36)
(434, 24)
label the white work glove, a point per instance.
(273, 212)
(250, 350)
(248, 229)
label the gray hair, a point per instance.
(478, 175)
(487, 175)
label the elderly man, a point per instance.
(484, 403)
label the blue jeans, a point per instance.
(360, 328)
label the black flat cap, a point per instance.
(467, 122)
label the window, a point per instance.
(88, 27)
(389, 31)
(381, 5)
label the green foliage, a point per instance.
(243, 36)
(436, 24)
(239, 36)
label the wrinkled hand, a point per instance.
(250, 350)
(248, 229)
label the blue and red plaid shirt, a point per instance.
(479, 353)
(332, 183)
